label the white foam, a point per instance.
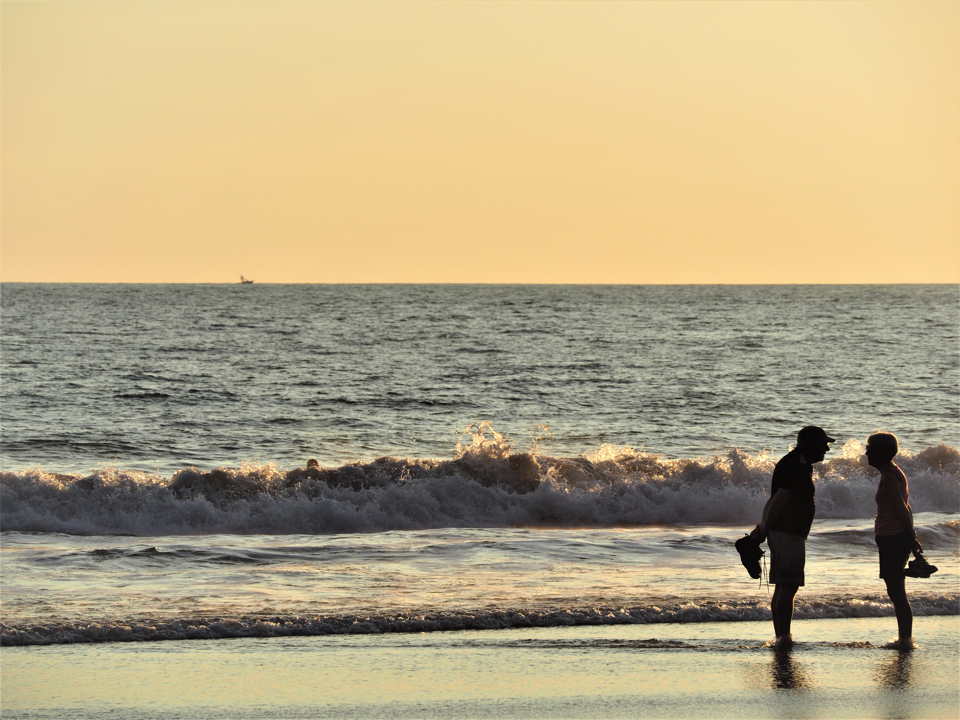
(193, 628)
(482, 486)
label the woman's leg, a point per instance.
(897, 593)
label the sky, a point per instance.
(488, 142)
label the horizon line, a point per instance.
(475, 283)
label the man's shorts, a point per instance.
(894, 551)
(787, 557)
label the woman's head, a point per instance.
(882, 447)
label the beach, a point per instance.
(838, 669)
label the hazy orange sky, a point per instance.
(406, 141)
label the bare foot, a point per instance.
(784, 642)
(902, 644)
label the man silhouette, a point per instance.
(786, 522)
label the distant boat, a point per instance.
(245, 281)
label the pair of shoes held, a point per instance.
(919, 567)
(750, 553)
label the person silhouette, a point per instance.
(893, 529)
(786, 522)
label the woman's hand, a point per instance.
(917, 547)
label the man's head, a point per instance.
(813, 442)
(882, 447)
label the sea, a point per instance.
(183, 462)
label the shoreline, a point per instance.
(838, 669)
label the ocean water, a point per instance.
(487, 456)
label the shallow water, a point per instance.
(61, 588)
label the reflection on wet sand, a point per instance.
(894, 673)
(786, 673)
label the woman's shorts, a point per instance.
(894, 551)
(787, 557)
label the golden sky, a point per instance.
(466, 141)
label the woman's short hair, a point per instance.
(885, 442)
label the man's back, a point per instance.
(794, 474)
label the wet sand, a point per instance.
(838, 669)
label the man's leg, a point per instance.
(897, 593)
(781, 607)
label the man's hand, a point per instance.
(917, 547)
(759, 533)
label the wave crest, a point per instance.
(485, 484)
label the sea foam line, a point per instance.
(210, 628)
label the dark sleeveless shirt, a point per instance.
(795, 474)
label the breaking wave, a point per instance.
(485, 484)
(209, 628)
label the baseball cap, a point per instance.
(812, 433)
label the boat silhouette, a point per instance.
(245, 281)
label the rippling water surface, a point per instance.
(157, 377)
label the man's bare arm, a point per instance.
(773, 510)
